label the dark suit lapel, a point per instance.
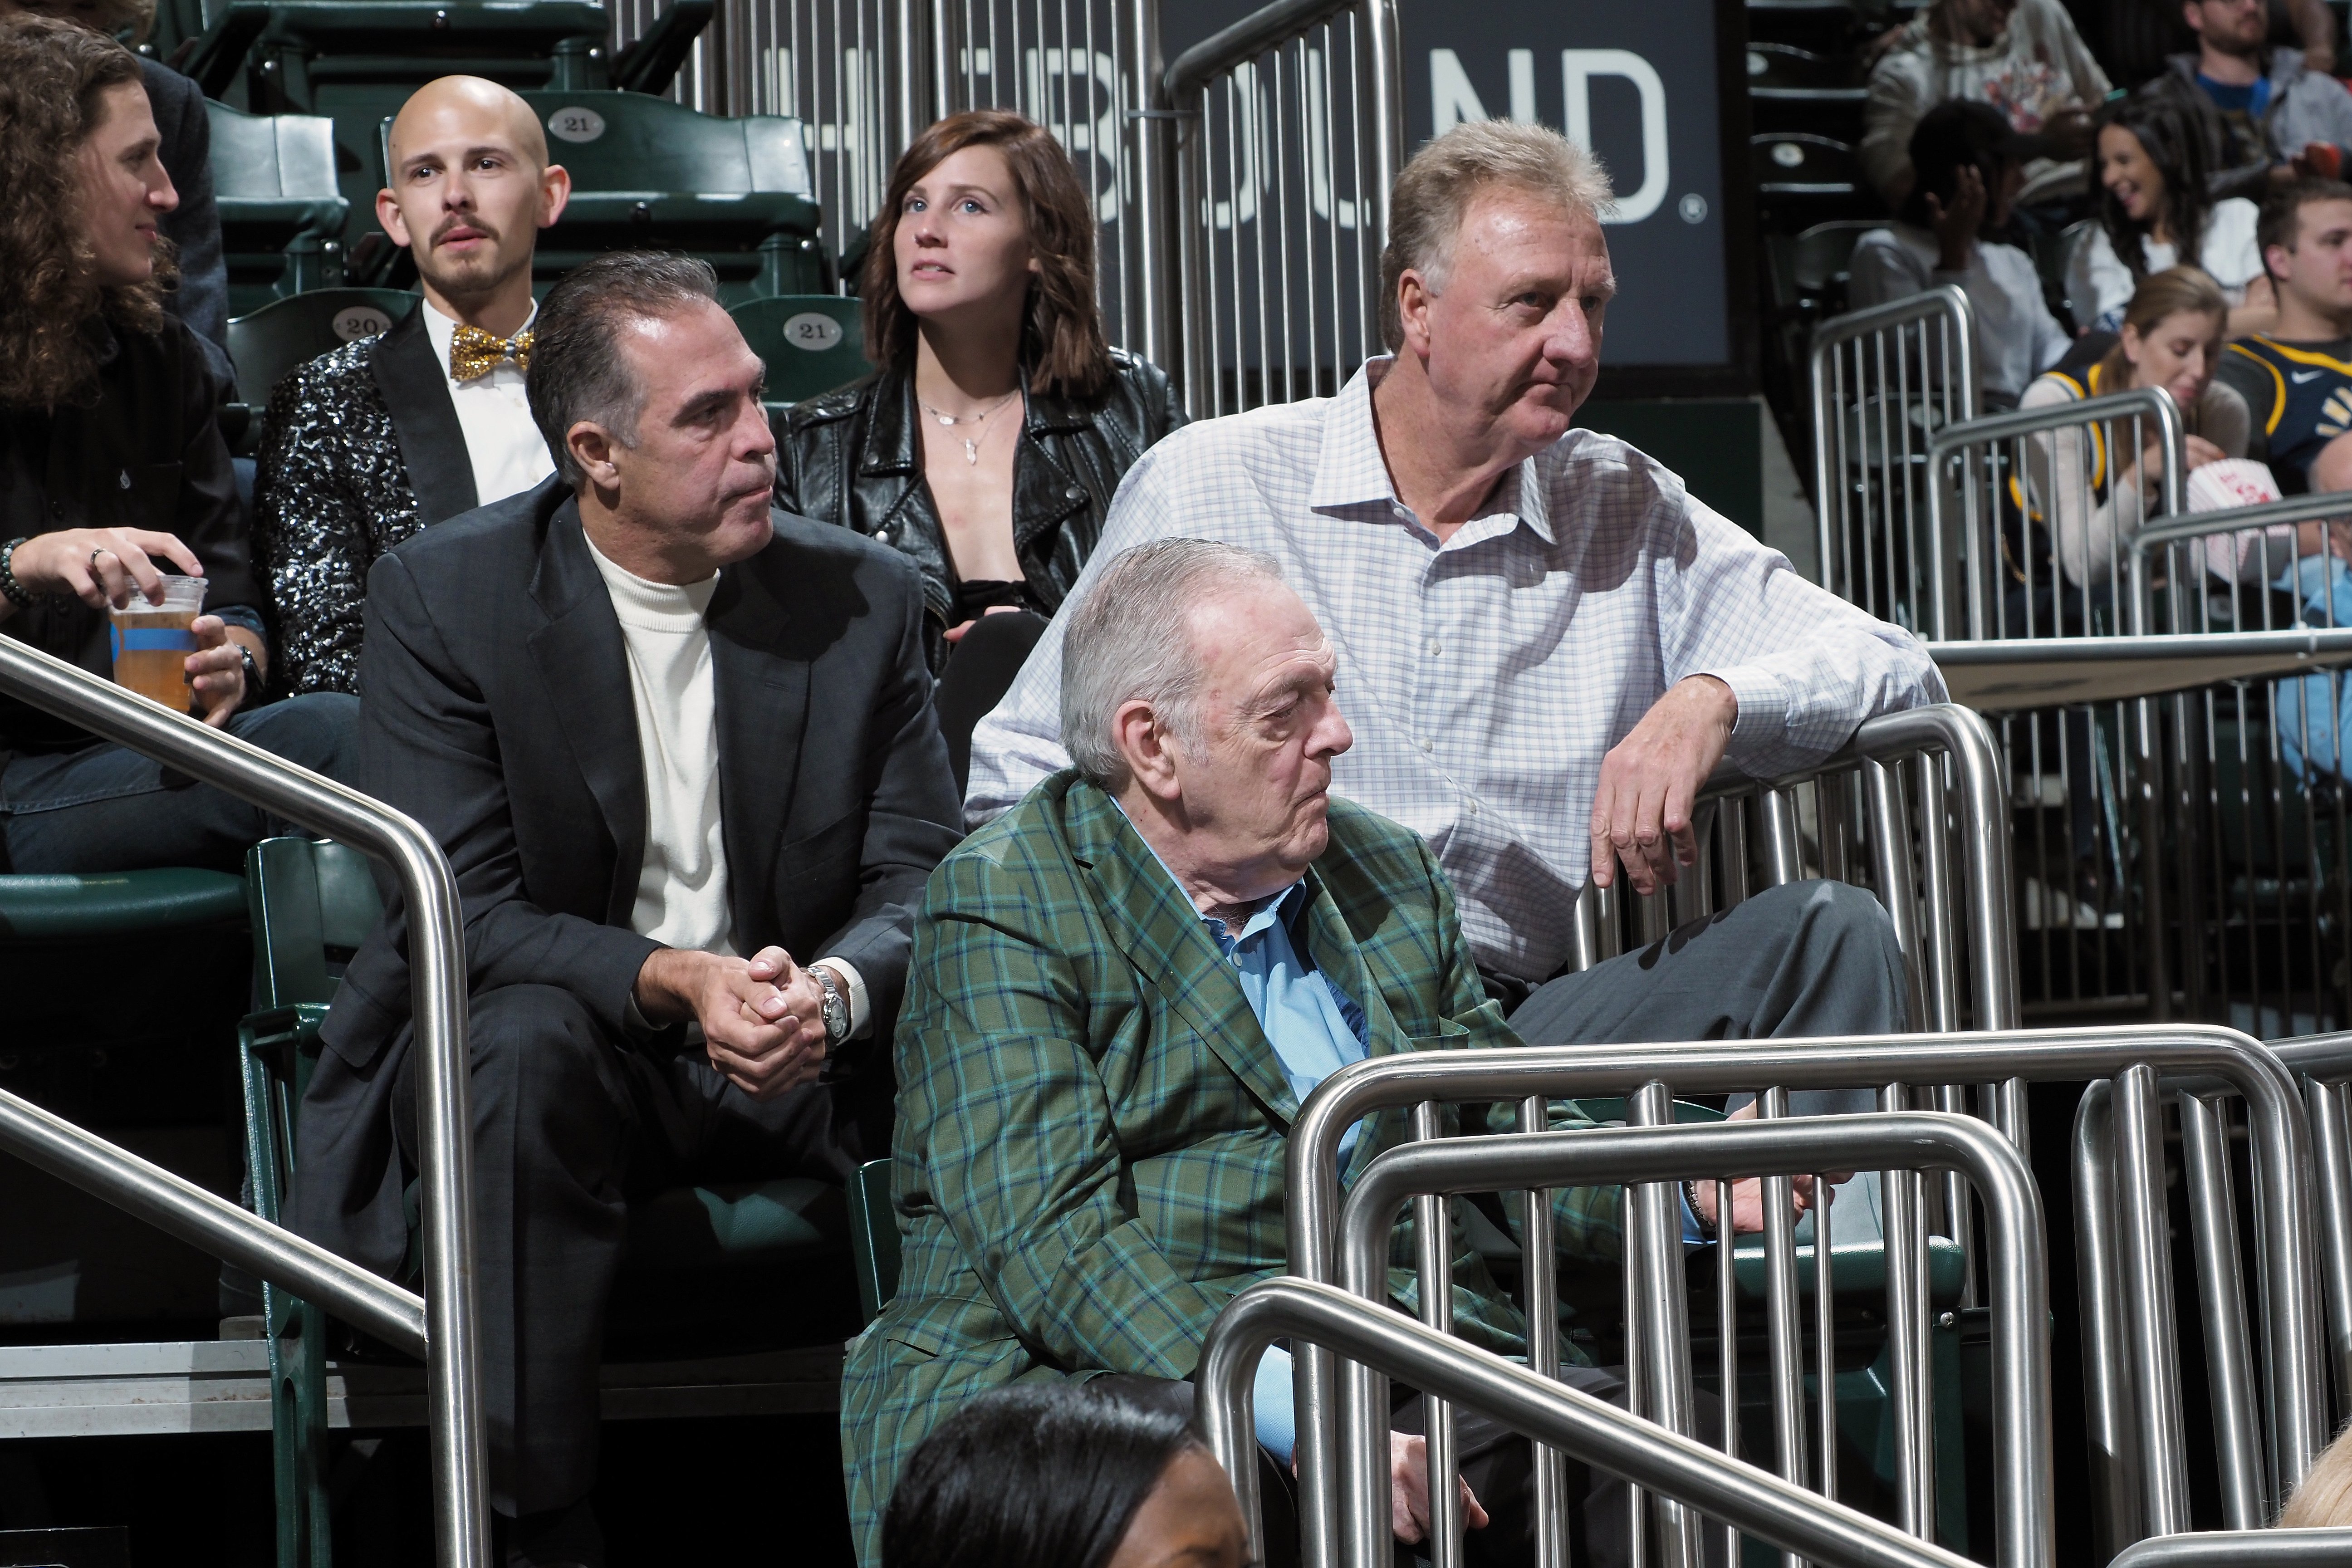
(432, 443)
(1162, 933)
(761, 694)
(586, 667)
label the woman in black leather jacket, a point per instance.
(989, 445)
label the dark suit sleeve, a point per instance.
(428, 746)
(211, 519)
(194, 227)
(911, 820)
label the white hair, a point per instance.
(1130, 639)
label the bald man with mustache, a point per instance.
(381, 438)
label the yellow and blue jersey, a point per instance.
(2299, 393)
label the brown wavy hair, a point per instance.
(1062, 342)
(53, 80)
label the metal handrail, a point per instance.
(1245, 40)
(2200, 1057)
(2241, 1548)
(2325, 1062)
(2135, 402)
(1957, 371)
(1814, 1528)
(2024, 1532)
(436, 958)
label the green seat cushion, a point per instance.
(118, 902)
(1856, 1267)
(689, 1227)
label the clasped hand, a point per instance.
(762, 1018)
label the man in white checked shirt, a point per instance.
(1551, 643)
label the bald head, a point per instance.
(469, 109)
(471, 188)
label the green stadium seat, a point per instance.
(763, 1262)
(649, 172)
(269, 343)
(810, 342)
(117, 903)
(282, 216)
(874, 1237)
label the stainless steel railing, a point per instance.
(1563, 1418)
(1883, 380)
(1722, 1153)
(440, 1327)
(2325, 1062)
(2139, 1336)
(2242, 1549)
(1293, 131)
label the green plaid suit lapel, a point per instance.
(1164, 937)
(1340, 958)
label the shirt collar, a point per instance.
(1278, 908)
(1352, 478)
(441, 329)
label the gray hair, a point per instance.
(1130, 639)
(1436, 188)
(577, 372)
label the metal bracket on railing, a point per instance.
(436, 958)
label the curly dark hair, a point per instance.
(2174, 145)
(1062, 341)
(53, 80)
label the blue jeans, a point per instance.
(108, 808)
(2312, 718)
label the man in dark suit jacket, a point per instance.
(680, 751)
(372, 441)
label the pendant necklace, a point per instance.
(970, 443)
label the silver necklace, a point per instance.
(970, 443)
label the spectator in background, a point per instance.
(1062, 1475)
(2315, 711)
(988, 444)
(1969, 167)
(111, 468)
(2171, 337)
(2155, 212)
(2263, 113)
(2296, 379)
(381, 438)
(186, 149)
(2023, 56)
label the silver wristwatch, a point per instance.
(837, 1005)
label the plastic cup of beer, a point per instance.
(152, 643)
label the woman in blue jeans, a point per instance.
(113, 471)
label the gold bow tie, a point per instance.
(474, 353)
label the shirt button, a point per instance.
(1474, 808)
(1427, 744)
(1076, 492)
(1434, 649)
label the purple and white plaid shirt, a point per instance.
(1486, 676)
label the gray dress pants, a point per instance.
(1803, 959)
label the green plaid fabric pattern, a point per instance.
(1092, 1126)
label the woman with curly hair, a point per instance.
(113, 472)
(201, 300)
(991, 441)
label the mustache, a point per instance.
(460, 221)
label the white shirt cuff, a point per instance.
(1763, 699)
(861, 1010)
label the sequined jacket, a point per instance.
(850, 457)
(360, 449)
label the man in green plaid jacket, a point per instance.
(1092, 1115)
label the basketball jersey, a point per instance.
(2300, 396)
(2024, 535)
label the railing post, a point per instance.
(1152, 128)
